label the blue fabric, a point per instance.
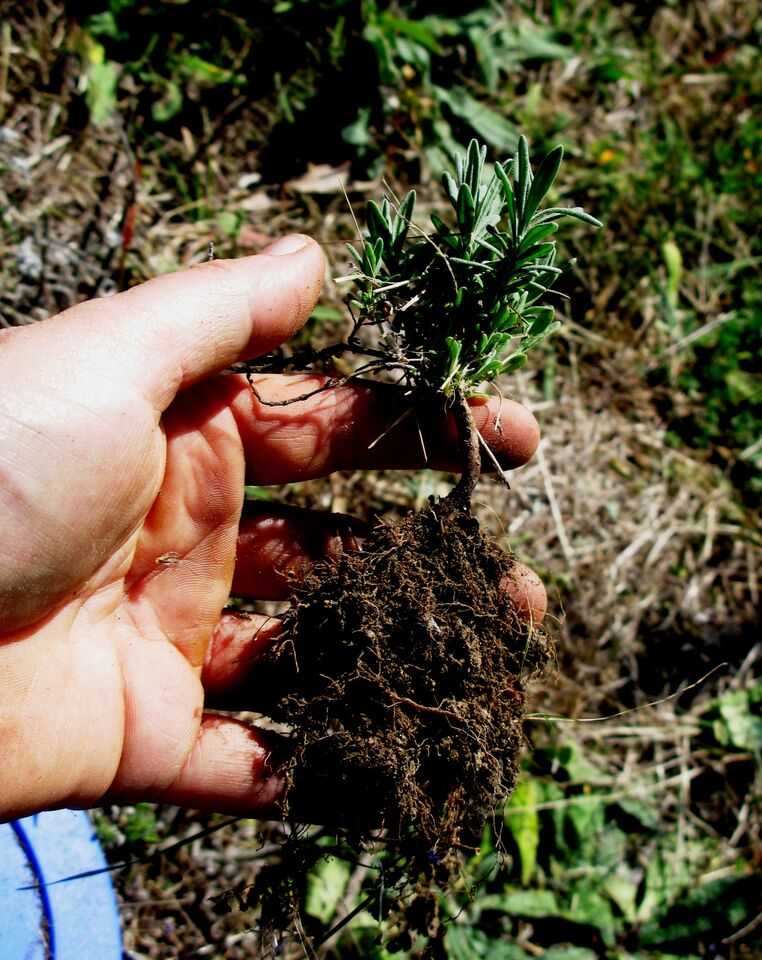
(39, 918)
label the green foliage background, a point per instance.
(405, 85)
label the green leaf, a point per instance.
(357, 133)
(450, 188)
(537, 252)
(554, 213)
(542, 182)
(326, 885)
(378, 224)
(740, 719)
(537, 234)
(357, 256)
(100, 94)
(503, 172)
(170, 104)
(523, 820)
(323, 314)
(514, 362)
(528, 343)
(203, 71)
(404, 219)
(474, 164)
(486, 123)
(489, 209)
(465, 211)
(523, 180)
(542, 318)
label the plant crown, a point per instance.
(460, 306)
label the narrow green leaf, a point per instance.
(514, 362)
(542, 320)
(488, 246)
(474, 164)
(450, 188)
(527, 343)
(405, 213)
(542, 182)
(402, 223)
(487, 371)
(368, 261)
(554, 213)
(523, 180)
(378, 226)
(489, 207)
(440, 225)
(537, 234)
(537, 252)
(466, 211)
(503, 173)
(356, 256)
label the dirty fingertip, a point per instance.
(526, 590)
(509, 429)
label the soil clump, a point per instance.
(401, 673)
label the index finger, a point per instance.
(364, 426)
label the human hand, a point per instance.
(123, 457)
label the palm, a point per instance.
(120, 529)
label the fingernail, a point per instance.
(290, 244)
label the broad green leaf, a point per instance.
(326, 885)
(530, 903)
(100, 94)
(523, 820)
(487, 123)
(740, 719)
(594, 909)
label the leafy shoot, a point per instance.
(459, 307)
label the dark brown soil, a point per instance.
(400, 672)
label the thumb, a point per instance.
(177, 329)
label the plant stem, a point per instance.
(459, 497)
